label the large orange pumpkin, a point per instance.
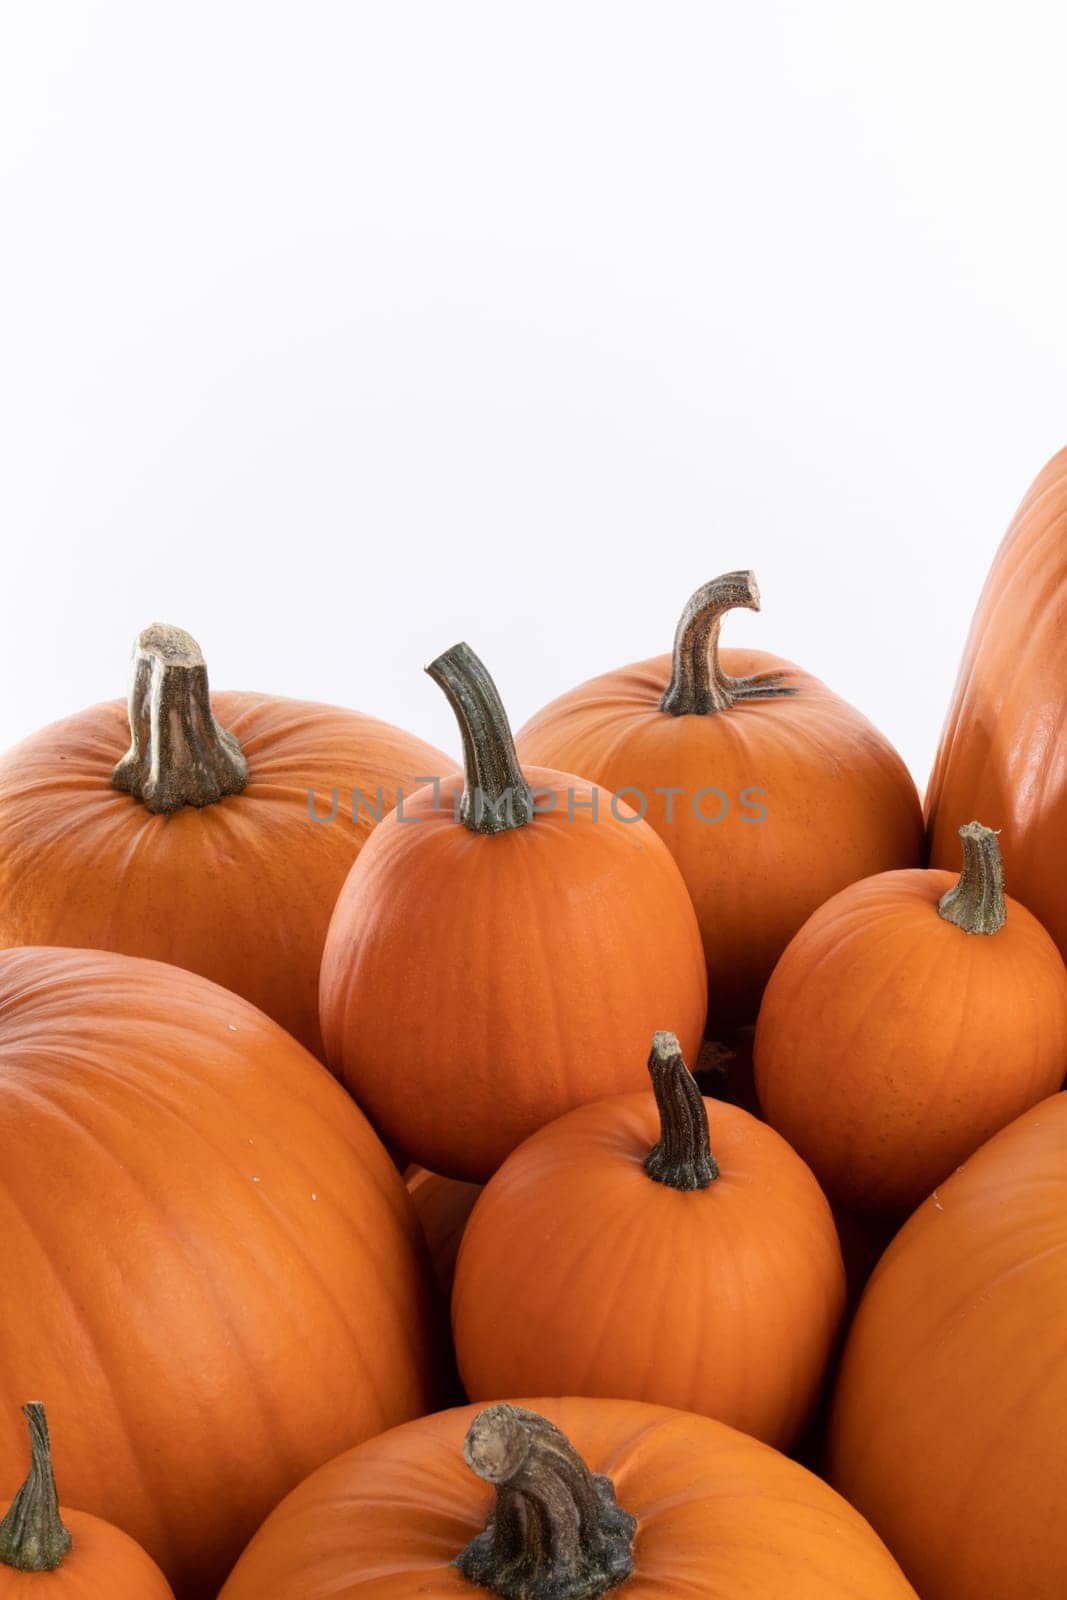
(613, 1254)
(769, 791)
(502, 950)
(50, 1553)
(199, 845)
(911, 1017)
(561, 1503)
(210, 1261)
(1002, 755)
(948, 1420)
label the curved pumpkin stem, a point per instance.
(496, 796)
(179, 755)
(32, 1535)
(976, 903)
(698, 685)
(556, 1531)
(682, 1159)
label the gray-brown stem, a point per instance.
(682, 1159)
(556, 1531)
(699, 686)
(496, 796)
(32, 1535)
(179, 756)
(976, 903)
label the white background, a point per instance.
(334, 333)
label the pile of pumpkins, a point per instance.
(422, 1181)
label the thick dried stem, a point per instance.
(699, 686)
(682, 1159)
(496, 796)
(179, 755)
(32, 1535)
(556, 1531)
(976, 903)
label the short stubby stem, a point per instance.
(556, 1531)
(699, 686)
(682, 1159)
(976, 903)
(179, 755)
(32, 1535)
(496, 797)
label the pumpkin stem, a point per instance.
(179, 755)
(496, 796)
(682, 1159)
(698, 685)
(976, 903)
(556, 1531)
(32, 1535)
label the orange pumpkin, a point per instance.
(613, 1255)
(948, 1419)
(211, 1261)
(502, 950)
(562, 1503)
(911, 1017)
(199, 845)
(1001, 753)
(84, 1558)
(769, 791)
(442, 1206)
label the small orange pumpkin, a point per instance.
(947, 1428)
(50, 1553)
(769, 791)
(565, 1502)
(501, 951)
(613, 1255)
(212, 1265)
(442, 1206)
(911, 1017)
(198, 843)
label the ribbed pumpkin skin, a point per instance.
(442, 1206)
(474, 987)
(240, 891)
(719, 1516)
(578, 1274)
(102, 1564)
(210, 1260)
(891, 1043)
(839, 802)
(1003, 756)
(948, 1420)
